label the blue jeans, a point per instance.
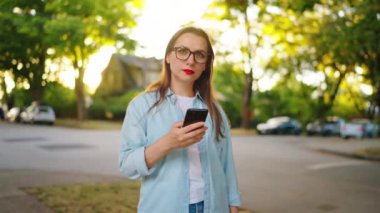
(196, 207)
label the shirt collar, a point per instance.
(171, 96)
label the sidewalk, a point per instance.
(347, 148)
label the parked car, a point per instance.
(14, 114)
(314, 128)
(325, 127)
(280, 125)
(359, 128)
(38, 114)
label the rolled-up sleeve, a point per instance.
(133, 142)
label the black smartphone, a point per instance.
(195, 115)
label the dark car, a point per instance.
(280, 125)
(326, 127)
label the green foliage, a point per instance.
(112, 108)
(229, 84)
(21, 98)
(22, 44)
(61, 98)
(79, 28)
(100, 197)
(286, 98)
(71, 29)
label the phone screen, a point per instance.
(195, 115)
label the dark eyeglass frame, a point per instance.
(175, 49)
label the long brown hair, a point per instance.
(202, 84)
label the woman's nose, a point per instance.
(190, 59)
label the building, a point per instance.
(124, 73)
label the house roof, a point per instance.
(144, 64)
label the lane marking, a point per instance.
(335, 164)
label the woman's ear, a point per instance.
(167, 59)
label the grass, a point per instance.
(106, 197)
(89, 124)
(239, 131)
(369, 152)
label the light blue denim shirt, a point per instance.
(165, 186)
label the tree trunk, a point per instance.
(377, 100)
(36, 81)
(3, 87)
(247, 98)
(325, 107)
(79, 91)
(246, 115)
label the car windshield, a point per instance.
(278, 120)
(43, 109)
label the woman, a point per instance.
(182, 169)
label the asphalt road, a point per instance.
(281, 174)
(276, 174)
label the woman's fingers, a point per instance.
(186, 136)
(178, 124)
(193, 127)
(193, 137)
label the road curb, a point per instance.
(349, 155)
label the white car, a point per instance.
(38, 114)
(359, 128)
(279, 125)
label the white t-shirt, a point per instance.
(195, 167)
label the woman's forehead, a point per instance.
(192, 41)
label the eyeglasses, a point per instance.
(183, 53)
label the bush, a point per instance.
(229, 84)
(20, 98)
(61, 98)
(111, 108)
(97, 109)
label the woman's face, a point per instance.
(185, 69)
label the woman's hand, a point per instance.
(177, 137)
(182, 137)
(234, 209)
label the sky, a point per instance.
(161, 19)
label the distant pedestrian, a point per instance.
(182, 169)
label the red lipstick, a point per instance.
(188, 71)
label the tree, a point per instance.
(79, 28)
(237, 12)
(339, 36)
(365, 32)
(229, 81)
(32, 31)
(347, 41)
(22, 46)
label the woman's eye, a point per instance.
(200, 55)
(183, 51)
